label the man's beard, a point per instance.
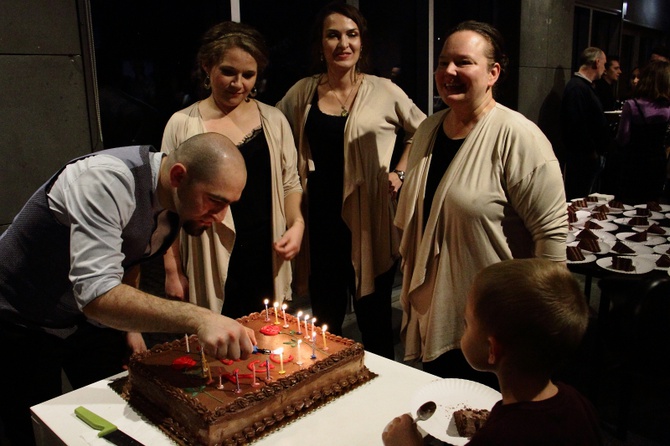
(192, 227)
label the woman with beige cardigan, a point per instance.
(345, 124)
(483, 185)
(265, 226)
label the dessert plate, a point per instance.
(653, 258)
(664, 207)
(653, 215)
(662, 249)
(639, 248)
(642, 266)
(606, 226)
(452, 394)
(652, 240)
(603, 236)
(588, 258)
(605, 247)
(626, 221)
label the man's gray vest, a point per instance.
(35, 249)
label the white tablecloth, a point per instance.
(358, 417)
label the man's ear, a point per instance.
(177, 174)
(495, 350)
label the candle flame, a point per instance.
(279, 351)
(276, 304)
(324, 327)
(266, 301)
(299, 313)
(284, 306)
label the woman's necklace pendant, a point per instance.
(344, 113)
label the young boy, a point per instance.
(523, 318)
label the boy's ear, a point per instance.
(495, 350)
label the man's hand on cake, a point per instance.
(402, 431)
(224, 337)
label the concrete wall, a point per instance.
(46, 114)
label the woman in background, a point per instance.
(483, 185)
(265, 225)
(345, 123)
(643, 129)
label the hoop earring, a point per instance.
(252, 94)
(208, 83)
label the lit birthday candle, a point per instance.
(188, 347)
(299, 361)
(324, 327)
(276, 306)
(313, 332)
(267, 315)
(299, 315)
(283, 311)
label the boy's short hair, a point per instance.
(534, 308)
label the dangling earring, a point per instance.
(208, 83)
(252, 94)
(321, 57)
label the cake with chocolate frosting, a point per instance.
(200, 400)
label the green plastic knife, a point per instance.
(108, 431)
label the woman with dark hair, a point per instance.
(642, 136)
(345, 122)
(265, 225)
(483, 185)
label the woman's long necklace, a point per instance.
(344, 113)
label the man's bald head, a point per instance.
(200, 179)
(208, 155)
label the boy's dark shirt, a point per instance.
(566, 419)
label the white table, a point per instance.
(358, 417)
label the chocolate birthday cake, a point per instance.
(199, 400)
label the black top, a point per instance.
(444, 151)
(253, 212)
(325, 134)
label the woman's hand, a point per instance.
(402, 431)
(394, 184)
(288, 246)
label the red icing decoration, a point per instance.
(271, 330)
(260, 366)
(183, 362)
(275, 358)
(226, 361)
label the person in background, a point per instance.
(471, 198)
(66, 252)
(265, 226)
(523, 319)
(345, 123)
(585, 130)
(660, 53)
(607, 83)
(634, 79)
(642, 136)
